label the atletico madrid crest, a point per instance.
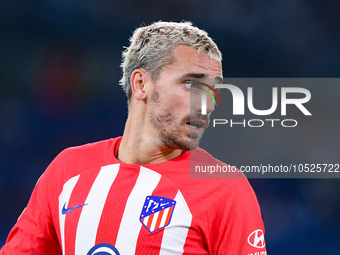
(157, 212)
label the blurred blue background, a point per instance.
(59, 72)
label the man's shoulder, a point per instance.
(201, 154)
(212, 182)
(88, 155)
(92, 148)
(204, 165)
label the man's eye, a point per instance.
(189, 84)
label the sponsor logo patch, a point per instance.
(256, 239)
(103, 249)
(157, 212)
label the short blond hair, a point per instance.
(151, 48)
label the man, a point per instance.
(133, 194)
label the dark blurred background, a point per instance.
(59, 72)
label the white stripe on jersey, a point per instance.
(130, 225)
(145, 220)
(154, 221)
(176, 233)
(90, 214)
(64, 197)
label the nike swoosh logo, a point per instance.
(67, 210)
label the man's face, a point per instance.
(174, 112)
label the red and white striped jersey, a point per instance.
(88, 202)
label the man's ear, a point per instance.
(138, 83)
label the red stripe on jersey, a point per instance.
(167, 189)
(114, 209)
(78, 197)
(169, 215)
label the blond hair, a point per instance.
(151, 48)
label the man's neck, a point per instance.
(140, 147)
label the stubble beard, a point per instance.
(170, 129)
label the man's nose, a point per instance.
(202, 103)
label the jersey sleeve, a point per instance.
(237, 226)
(34, 232)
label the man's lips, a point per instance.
(197, 126)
